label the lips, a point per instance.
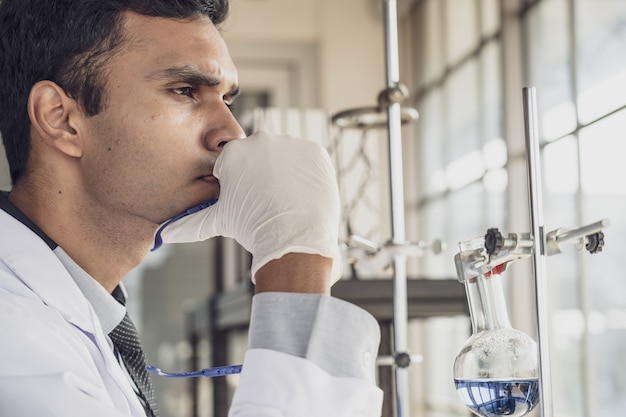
(211, 182)
(204, 173)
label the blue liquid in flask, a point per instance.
(491, 398)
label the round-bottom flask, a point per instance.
(495, 371)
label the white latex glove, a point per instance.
(278, 194)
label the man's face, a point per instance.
(150, 153)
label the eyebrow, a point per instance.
(189, 75)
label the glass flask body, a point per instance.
(495, 371)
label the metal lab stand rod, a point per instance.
(399, 262)
(538, 256)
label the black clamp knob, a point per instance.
(402, 359)
(595, 242)
(494, 241)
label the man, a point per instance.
(116, 123)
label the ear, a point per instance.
(54, 117)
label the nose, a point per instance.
(226, 129)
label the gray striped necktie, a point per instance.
(126, 341)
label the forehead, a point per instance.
(152, 43)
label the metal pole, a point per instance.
(538, 256)
(400, 308)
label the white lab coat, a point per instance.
(55, 360)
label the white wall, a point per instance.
(348, 35)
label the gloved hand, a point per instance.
(278, 194)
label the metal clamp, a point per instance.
(480, 255)
(364, 252)
(589, 237)
(399, 359)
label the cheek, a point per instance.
(178, 146)
(150, 137)
(121, 148)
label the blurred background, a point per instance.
(465, 63)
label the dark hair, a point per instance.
(68, 42)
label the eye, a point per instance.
(185, 91)
(229, 104)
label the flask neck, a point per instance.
(485, 298)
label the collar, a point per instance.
(10, 208)
(37, 267)
(108, 309)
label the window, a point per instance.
(471, 171)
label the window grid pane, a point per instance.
(582, 165)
